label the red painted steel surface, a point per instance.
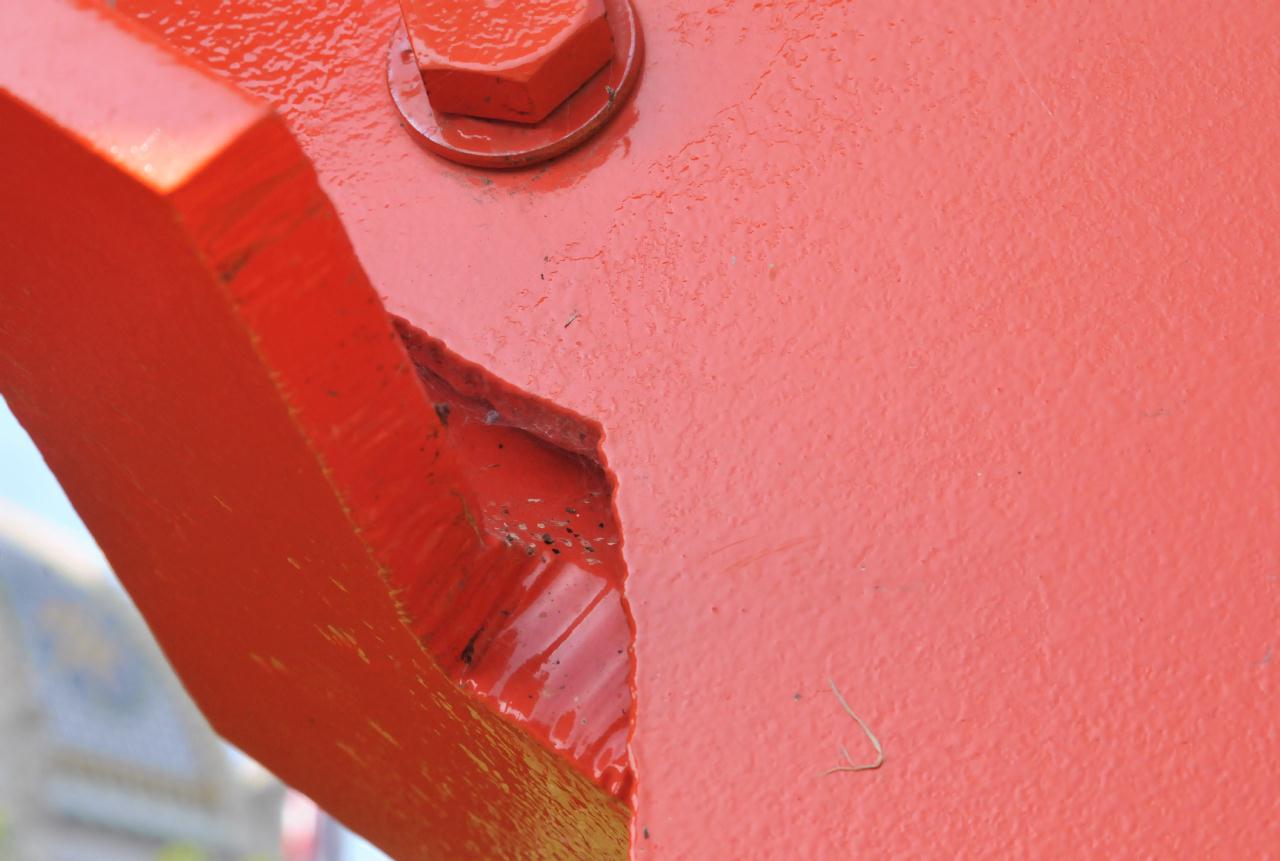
(934, 349)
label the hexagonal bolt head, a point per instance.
(514, 60)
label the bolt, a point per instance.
(514, 60)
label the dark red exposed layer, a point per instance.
(534, 621)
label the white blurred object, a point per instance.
(73, 553)
(27, 483)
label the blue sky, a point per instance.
(27, 482)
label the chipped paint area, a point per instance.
(534, 624)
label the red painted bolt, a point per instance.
(514, 60)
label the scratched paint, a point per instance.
(541, 631)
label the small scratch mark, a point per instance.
(569, 322)
(1042, 589)
(727, 546)
(382, 732)
(218, 499)
(470, 518)
(228, 271)
(875, 742)
(1004, 37)
(770, 552)
(350, 751)
(468, 654)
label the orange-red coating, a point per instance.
(228, 406)
(934, 348)
(513, 60)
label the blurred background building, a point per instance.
(103, 757)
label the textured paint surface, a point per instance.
(934, 346)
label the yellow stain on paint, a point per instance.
(268, 663)
(480, 763)
(350, 751)
(338, 636)
(382, 732)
